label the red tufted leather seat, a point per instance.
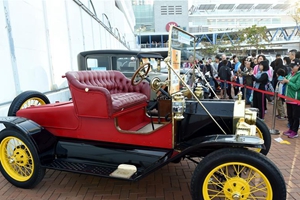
(103, 93)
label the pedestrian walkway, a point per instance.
(170, 182)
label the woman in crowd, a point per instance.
(261, 79)
(292, 90)
(243, 63)
(258, 60)
(261, 58)
(256, 68)
(278, 65)
(247, 79)
(287, 64)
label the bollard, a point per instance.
(273, 131)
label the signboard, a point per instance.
(175, 62)
(168, 25)
(184, 38)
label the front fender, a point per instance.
(202, 146)
(233, 139)
(42, 139)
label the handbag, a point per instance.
(269, 87)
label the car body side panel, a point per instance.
(215, 108)
(197, 123)
(105, 130)
(61, 120)
(57, 115)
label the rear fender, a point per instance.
(42, 139)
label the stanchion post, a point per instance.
(245, 93)
(225, 89)
(273, 131)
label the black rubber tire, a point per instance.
(23, 97)
(38, 173)
(254, 159)
(266, 135)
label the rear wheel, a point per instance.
(27, 99)
(236, 173)
(19, 160)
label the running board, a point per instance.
(122, 171)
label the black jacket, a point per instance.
(263, 80)
(225, 73)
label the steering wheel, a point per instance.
(140, 74)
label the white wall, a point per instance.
(40, 41)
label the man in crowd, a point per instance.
(228, 90)
(225, 75)
(190, 63)
(236, 65)
(208, 68)
(253, 55)
(298, 55)
(292, 55)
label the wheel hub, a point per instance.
(236, 188)
(20, 156)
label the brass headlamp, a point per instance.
(178, 106)
(199, 92)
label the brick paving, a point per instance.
(170, 182)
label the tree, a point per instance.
(254, 36)
(238, 39)
(295, 14)
(209, 50)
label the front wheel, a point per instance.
(19, 160)
(263, 132)
(236, 173)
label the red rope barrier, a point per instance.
(261, 91)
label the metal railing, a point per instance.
(109, 29)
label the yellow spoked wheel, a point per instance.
(20, 163)
(260, 135)
(25, 100)
(237, 174)
(236, 180)
(263, 132)
(16, 159)
(34, 101)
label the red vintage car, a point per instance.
(109, 130)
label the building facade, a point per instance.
(40, 41)
(202, 16)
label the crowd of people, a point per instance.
(281, 76)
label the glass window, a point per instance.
(276, 21)
(99, 63)
(127, 63)
(211, 21)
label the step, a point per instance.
(103, 170)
